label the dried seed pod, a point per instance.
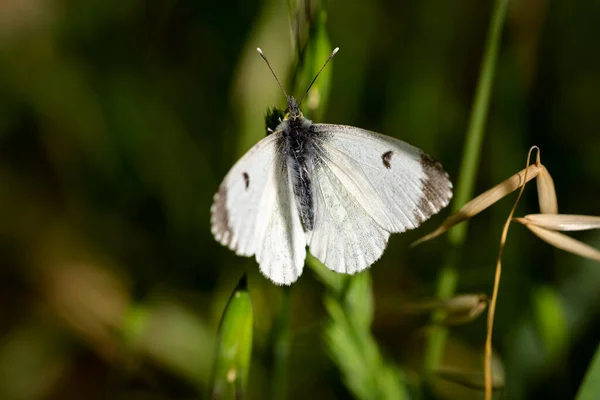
(458, 304)
(562, 222)
(464, 309)
(546, 192)
(460, 309)
(562, 241)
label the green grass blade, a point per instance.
(448, 278)
(234, 350)
(353, 348)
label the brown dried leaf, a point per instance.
(546, 192)
(562, 222)
(562, 241)
(483, 201)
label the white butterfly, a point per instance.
(337, 189)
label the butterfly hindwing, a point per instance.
(253, 213)
(345, 237)
(367, 186)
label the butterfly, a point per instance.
(338, 190)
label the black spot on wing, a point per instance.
(436, 189)
(386, 157)
(246, 179)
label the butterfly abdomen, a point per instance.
(299, 156)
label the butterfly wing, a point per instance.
(254, 213)
(367, 186)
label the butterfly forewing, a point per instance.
(253, 213)
(239, 201)
(367, 186)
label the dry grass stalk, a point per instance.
(492, 308)
(483, 201)
(543, 225)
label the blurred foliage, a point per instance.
(590, 388)
(353, 348)
(119, 119)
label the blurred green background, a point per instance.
(119, 119)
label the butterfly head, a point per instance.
(293, 109)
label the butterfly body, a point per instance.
(296, 143)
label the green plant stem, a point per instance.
(281, 350)
(448, 278)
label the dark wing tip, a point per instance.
(219, 218)
(437, 187)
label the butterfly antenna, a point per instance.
(273, 72)
(318, 73)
